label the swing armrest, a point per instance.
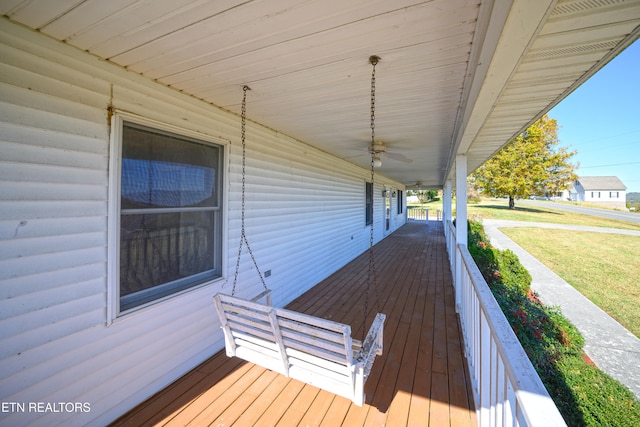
(264, 294)
(372, 344)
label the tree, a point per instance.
(530, 164)
(424, 196)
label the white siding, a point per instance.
(605, 197)
(614, 199)
(305, 219)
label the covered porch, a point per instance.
(421, 378)
(456, 80)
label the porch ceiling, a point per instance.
(456, 76)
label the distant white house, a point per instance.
(605, 190)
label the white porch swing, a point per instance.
(310, 349)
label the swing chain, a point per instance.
(243, 235)
(243, 118)
(371, 278)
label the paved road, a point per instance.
(612, 347)
(605, 213)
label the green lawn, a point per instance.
(603, 267)
(498, 209)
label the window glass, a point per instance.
(368, 189)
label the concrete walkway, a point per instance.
(612, 348)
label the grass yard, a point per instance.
(603, 267)
(499, 209)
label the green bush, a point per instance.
(481, 251)
(599, 399)
(584, 395)
(513, 274)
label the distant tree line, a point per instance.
(633, 201)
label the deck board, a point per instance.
(420, 379)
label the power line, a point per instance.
(598, 148)
(608, 137)
(613, 164)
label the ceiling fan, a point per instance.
(417, 186)
(378, 149)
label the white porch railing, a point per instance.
(507, 389)
(418, 214)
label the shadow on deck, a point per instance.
(420, 380)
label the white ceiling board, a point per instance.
(37, 13)
(454, 74)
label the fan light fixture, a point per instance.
(376, 149)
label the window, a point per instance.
(614, 194)
(595, 194)
(170, 216)
(400, 202)
(368, 214)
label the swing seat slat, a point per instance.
(316, 351)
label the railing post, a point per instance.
(461, 219)
(446, 205)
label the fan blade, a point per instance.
(399, 157)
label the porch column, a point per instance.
(446, 206)
(461, 220)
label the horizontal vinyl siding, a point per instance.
(302, 208)
(305, 214)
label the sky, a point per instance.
(601, 120)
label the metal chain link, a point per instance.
(243, 235)
(371, 278)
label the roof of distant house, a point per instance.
(601, 183)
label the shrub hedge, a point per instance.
(584, 394)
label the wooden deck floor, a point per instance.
(420, 379)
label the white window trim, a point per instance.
(113, 220)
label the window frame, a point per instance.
(114, 311)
